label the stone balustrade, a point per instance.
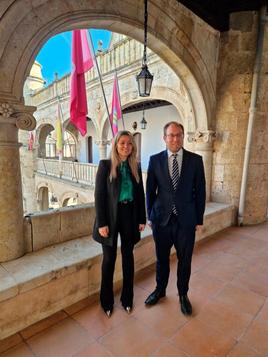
(75, 171)
(121, 55)
(69, 170)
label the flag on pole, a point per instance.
(30, 141)
(82, 62)
(59, 134)
(116, 112)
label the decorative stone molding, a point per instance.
(205, 137)
(103, 142)
(20, 115)
(98, 106)
(6, 110)
(25, 121)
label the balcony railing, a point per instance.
(123, 54)
(72, 171)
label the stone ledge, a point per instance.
(44, 282)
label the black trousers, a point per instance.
(183, 241)
(125, 228)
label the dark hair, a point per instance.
(179, 125)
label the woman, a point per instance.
(120, 208)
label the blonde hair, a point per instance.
(132, 158)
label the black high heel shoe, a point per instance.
(127, 308)
(108, 312)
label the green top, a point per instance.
(126, 189)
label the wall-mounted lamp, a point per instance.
(145, 78)
(134, 126)
(53, 199)
(143, 121)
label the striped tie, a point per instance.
(175, 172)
(175, 178)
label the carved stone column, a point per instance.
(12, 117)
(203, 141)
(102, 144)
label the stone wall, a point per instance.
(236, 63)
(256, 207)
(233, 98)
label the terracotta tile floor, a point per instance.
(229, 293)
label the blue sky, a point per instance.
(55, 55)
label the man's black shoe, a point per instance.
(186, 307)
(153, 298)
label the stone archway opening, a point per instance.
(179, 46)
(45, 141)
(174, 34)
(70, 201)
(43, 198)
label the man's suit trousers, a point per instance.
(183, 240)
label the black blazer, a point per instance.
(190, 194)
(106, 203)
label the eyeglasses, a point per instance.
(173, 136)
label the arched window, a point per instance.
(69, 145)
(50, 146)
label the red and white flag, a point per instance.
(82, 62)
(30, 141)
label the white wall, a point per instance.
(152, 137)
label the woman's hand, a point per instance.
(104, 231)
(141, 227)
(198, 228)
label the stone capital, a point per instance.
(6, 111)
(18, 114)
(102, 142)
(202, 136)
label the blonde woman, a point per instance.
(120, 208)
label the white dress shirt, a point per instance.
(170, 160)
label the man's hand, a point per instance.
(104, 231)
(141, 227)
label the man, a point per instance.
(176, 196)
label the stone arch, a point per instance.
(173, 33)
(45, 184)
(42, 132)
(72, 194)
(185, 110)
(43, 202)
(43, 190)
(67, 125)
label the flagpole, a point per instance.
(100, 79)
(59, 106)
(118, 94)
(68, 143)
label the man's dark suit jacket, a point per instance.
(189, 197)
(106, 203)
